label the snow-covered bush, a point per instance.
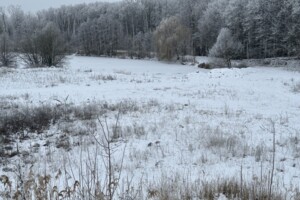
(226, 47)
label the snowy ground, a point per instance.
(181, 123)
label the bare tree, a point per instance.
(7, 57)
(16, 20)
(44, 47)
(51, 45)
(29, 43)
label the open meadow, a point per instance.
(108, 128)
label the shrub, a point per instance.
(18, 119)
(88, 111)
(34, 119)
(204, 66)
(44, 48)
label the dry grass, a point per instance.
(100, 77)
(296, 88)
(178, 188)
(19, 118)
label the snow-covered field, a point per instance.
(175, 127)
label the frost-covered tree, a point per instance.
(85, 38)
(226, 47)
(211, 23)
(140, 42)
(293, 33)
(234, 16)
(265, 24)
(16, 21)
(171, 39)
(265, 28)
(7, 57)
(190, 11)
(151, 16)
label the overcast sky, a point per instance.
(35, 5)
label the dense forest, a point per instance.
(145, 28)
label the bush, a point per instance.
(88, 111)
(44, 48)
(34, 119)
(204, 66)
(51, 46)
(18, 119)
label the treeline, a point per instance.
(142, 28)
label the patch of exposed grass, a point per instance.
(178, 188)
(25, 118)
(296, 87)
(19, 118)
(100, 77)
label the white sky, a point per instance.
(35, 5)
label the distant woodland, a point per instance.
(147, 28)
